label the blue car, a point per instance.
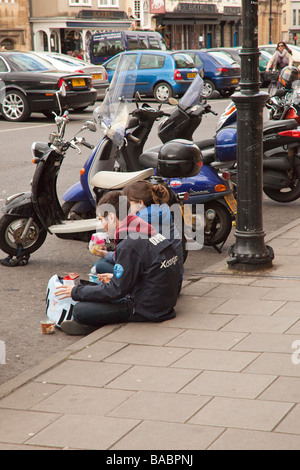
(159, 74)
(221, 73)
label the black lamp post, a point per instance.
(249, 251)
(270, 23)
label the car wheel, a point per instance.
(162, 92)
(14, 106)
(208, 88)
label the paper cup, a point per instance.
(94, 278)
(48, 327)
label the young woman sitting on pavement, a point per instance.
(149, 202)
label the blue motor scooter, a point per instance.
(121, 150)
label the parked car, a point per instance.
(27, 85)
(161, 74)
(67, 63)
(234, 53)
(270, 48)
(220, 73)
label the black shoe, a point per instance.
(72, 327)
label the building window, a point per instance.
(294, 17)
(284, 17)
(108, 3)
(80, 3)
(137, 9)
(7, 1)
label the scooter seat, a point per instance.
(205, 144)
(149, 158)
(118, 180)
(284, 125)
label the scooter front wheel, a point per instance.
(11, 230)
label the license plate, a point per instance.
(191, 75)
(231, 201)
(78, 82)
(97, 76)
(235, 80)
(187, 214)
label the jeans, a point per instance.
(105, 313)
(103, 266)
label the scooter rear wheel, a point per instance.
(218, 231)
(290, 194)
(11, 229)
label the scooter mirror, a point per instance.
(63, 90)
(90, 125)
(138, 97)
(173, 101)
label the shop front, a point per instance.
(66, 34)
(194, 25)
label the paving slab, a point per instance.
(224, 374)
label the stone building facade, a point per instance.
(14, 24)
(65, 25)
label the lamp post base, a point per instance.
(250, 253)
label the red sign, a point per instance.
(157, 6)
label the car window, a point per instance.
(197, 61)
(132, 58)
(133, 44)
(28, 63)
(143, 43)
(3, 66)
(151, 61)
(154, 44)
(111, 65)
(223, 56)
(183, 61)
(66, 60)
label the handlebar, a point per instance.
(86, 144)
(133, 138)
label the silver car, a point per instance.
(67, 63)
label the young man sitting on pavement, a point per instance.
(144, 286)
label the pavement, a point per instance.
(224, 374)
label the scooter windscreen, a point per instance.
(112, 115)
(193, 94)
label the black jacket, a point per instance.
(146, 272)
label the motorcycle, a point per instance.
(281, 158)
(285, 104)
(28, 217)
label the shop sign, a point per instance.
(196, 7)
(157, 6)
(98, 14)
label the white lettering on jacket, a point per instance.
(156, 239)
(169, 262)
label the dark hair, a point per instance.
(285, 46)
(112, 198)
(146, 192)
